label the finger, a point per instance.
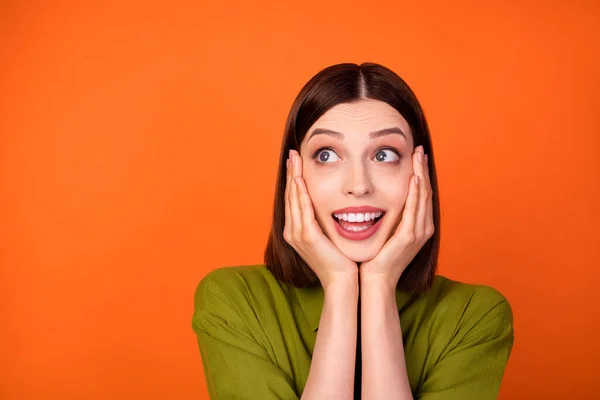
(422, 206)
(412, 201)
(305, 214)
(429, 215)
(295, 209)
(288, 184)
(288, 174)
(305, 203)
(407, 225)
(297, 168)
(302, 192)
(427, 177)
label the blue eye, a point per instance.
(324, 155)
(382, 156)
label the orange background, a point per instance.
(138, 152)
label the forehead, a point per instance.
(361, 117)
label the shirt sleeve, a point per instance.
(235, 365)
(474, 366)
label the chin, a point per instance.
(359, 252)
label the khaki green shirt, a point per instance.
(256, 336)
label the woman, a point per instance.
(348, 302)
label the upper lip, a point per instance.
(360, 209)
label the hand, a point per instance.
(415, 228)
(304, 234)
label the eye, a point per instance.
(323, 155)
(385, 154)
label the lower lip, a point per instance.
(362, 235)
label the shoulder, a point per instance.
(450, 291)
(469, 308)
(232, 289)
(233, 281)
(463, 336)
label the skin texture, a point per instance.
(384, 364)
(358, 170)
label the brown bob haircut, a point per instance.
(345, 83)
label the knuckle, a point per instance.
(430, 229)
(308, 237)
(420, 237)
(297, 237)
(410, 237)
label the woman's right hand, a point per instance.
(304, 234)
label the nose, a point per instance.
(358, 182)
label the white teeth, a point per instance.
(356, 229)
(358, 217)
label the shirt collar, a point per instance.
(311, 300)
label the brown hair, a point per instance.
(343, 83)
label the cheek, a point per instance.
(402, 193)
(320, 190)
(393, 190)
(394, 193)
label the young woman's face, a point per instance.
(358, 169)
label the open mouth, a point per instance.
(357, 222)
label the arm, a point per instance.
(473, 365)
(384, 365)
(331, 374)
(235, 365)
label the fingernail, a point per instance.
(293, 158)
(420, 156)
(426, 159)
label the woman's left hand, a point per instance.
(415, 228)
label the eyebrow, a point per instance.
(372, 135)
